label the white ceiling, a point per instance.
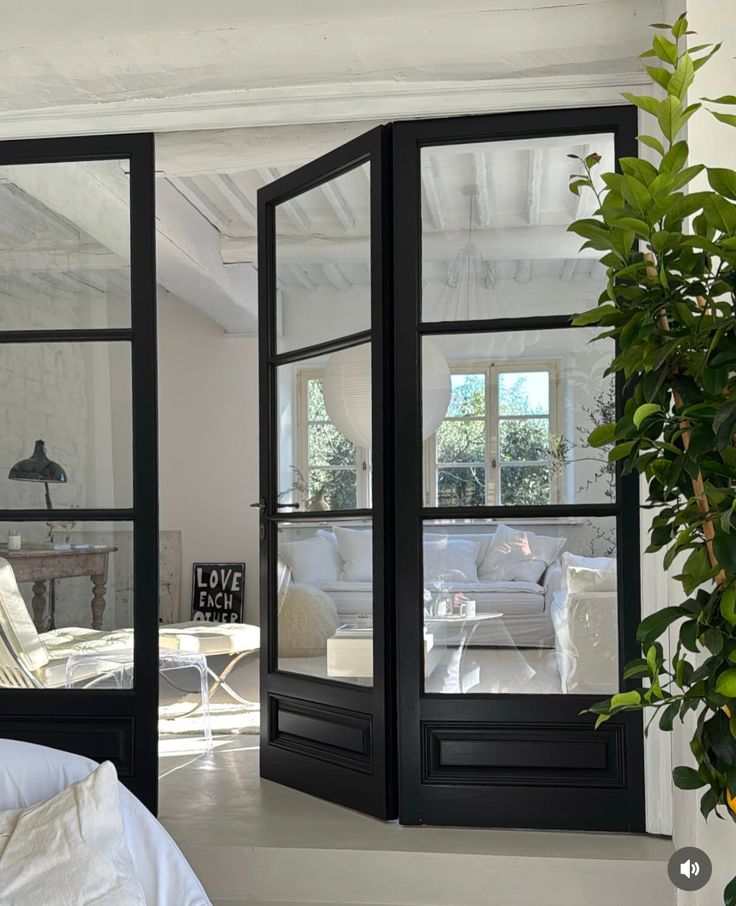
(300, 78)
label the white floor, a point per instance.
(252, 841)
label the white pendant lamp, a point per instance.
(347, 391)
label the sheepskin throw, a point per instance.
(307, 618)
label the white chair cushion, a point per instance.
(30, 774)
(70, 850)
(210, 638)
(16, 622)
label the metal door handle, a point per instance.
(294, 505)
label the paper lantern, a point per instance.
(347, 391)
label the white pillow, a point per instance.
(356, 550)
(449, 555)
(313, 559)
(70, 850)
(482, 539)
(518, 556)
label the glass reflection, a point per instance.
(325, 600)
(521, 607)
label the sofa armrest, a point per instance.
(586, 641)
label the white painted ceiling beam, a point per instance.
(511, 244)
(35, 260)
(568, 270)
(214, 151)
(294, 211)
(303, 278)
(432, 194)
(483, 184)
(202, 202)
(340, 207)
(336, 277)
(236, 198)
(95, 197)
(534, 197)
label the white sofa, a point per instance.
(503, 572)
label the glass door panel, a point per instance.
(494, 228)
(323, 261)
(521, 606)
(65, 245)
(324, 424)
(521, 407)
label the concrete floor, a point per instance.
(252, 841)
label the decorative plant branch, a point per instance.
(669, 303)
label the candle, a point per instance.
(13, 541)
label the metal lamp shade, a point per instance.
(38, 467)
(347, 391)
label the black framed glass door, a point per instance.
(518, 545)
(78, 454)
(327, 662)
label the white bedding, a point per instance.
(31, 774)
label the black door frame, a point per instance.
(329, 738)
(116, 725)
(499, 732)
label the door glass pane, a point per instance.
(65, 245)
(515, 430)
(67, 425)
(323, 262)
(325, 600)
(67, 592)
(523, 606)
(494, 229)
(324, 431)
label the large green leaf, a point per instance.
(722, 180)
(687, 778)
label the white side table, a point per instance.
(114, 669)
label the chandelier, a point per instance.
(468, 293)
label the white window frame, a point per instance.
(362, 467)
(493, 419)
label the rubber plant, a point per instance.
(670, 256)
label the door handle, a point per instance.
(261, 505)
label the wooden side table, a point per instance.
(40, 563)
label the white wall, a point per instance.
(208, 443)
(715, 145)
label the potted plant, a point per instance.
(670, 256)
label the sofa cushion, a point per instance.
(482, 539)
(356, 552)
(312, 559)
(452, 558)
(515, 555)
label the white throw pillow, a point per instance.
(313, 559)
(482, 539)
(451, 557)
(70, 850)
(518, 556)
(356, 550)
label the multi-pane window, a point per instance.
(335, 470)
(493, 446)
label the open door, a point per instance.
(78, 447)
(326, 540)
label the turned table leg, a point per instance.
(39, 604)
(99, 584)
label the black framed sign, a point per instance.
(218, 592)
